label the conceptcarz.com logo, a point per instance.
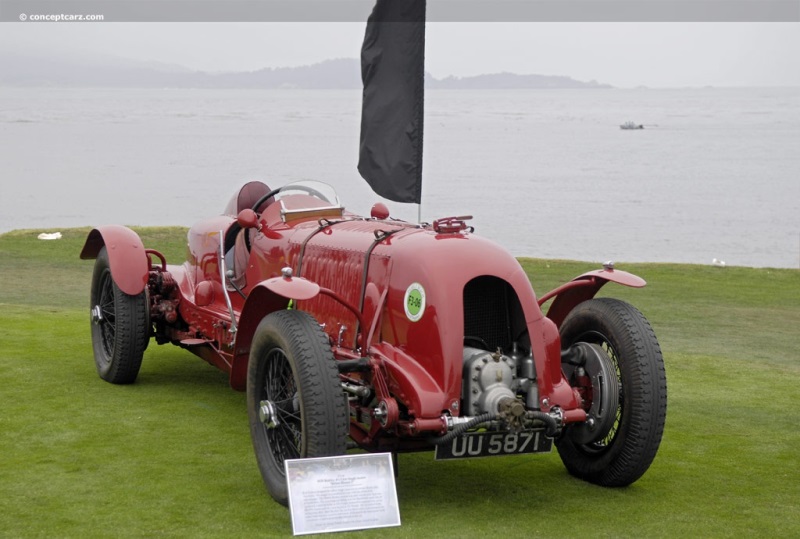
(60, 17)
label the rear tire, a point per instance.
(120, 326)
(626, 452)
(294, 396)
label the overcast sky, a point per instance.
(621, 54)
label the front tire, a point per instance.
(294, 397)
(626, 452)
(120, 326)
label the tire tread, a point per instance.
(323, 407)
(644, 386)
(132, 329)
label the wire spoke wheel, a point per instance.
(625, 452)
(120, 326)
(294, 397)
(107, 318)
(285, 439)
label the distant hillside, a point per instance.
(510, 81)
(343, 73)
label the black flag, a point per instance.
(393, 73)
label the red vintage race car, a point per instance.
(371, 332)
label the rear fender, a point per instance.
(583, 287)
(261, 301)
(126, 256)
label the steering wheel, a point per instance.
(310, 190)
(264, 198)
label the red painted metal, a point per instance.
(451, 224)
(379, 211)
(126, 256)
(292, 288)
(584, 287)
(355, 276)
(161, 258)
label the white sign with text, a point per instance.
(334, 494)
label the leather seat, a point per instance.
(246, 196)
(237, 241)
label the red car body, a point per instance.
(402, 307)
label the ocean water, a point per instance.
(548, 173)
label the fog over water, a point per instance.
(546, 173)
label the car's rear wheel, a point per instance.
(120, 326)
(621, 456)
(294, 397)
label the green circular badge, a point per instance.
(414, 302)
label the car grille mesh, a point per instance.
(486, 313)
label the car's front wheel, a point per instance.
(120, 326)
(294, 397)
(628, 447)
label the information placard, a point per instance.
(349, 492)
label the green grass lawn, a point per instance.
(171, 455)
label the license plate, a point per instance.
(490, 444)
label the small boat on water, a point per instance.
(631, 125)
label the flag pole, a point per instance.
(392, 106)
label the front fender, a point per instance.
(126, 256)
(583, 287)
(266, 297)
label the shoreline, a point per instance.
(33, 233)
